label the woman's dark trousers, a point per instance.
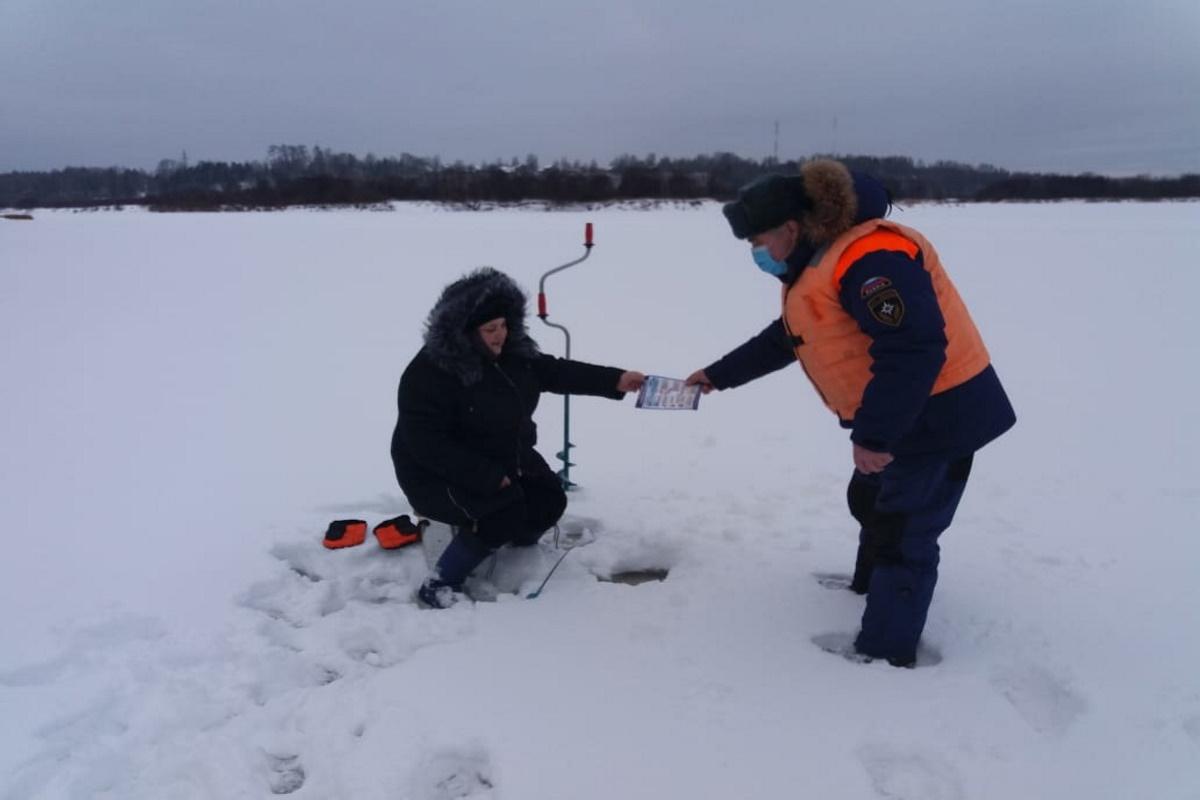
(518, 515)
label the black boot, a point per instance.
(464, 553)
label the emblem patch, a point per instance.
(872, 285)
(887, 307)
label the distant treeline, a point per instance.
(297, 175)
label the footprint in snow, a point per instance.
(454, 775)
(365, 645)
(833, 580)
(900, 774)
(286, 774)
(842, 644)
(378, 588)
(1044, 700)
(273, 599)
(302, 559)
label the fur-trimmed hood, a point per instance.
(450, 339)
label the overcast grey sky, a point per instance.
(1109, 86)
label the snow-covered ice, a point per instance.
(188, 400)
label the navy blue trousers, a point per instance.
(517, 515)
(902, 510)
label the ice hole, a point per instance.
(633, 577)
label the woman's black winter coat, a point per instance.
(465, 419)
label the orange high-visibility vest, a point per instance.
(828, 341)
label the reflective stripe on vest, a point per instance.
(832, 348)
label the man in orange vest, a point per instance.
(872, 317)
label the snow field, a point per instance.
(188, 400)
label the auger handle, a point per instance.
(588, 243)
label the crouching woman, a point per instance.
(463, 447)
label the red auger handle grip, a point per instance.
(542, 304)
(587, 234)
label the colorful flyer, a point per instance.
(668, 393)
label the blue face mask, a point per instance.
(762, 257)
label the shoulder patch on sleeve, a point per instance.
(872, 285)
(887, 306)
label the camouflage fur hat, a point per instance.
(821, 198)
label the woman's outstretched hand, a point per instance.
(630, 381)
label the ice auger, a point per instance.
(564, 455)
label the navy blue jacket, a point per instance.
(898, 415)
